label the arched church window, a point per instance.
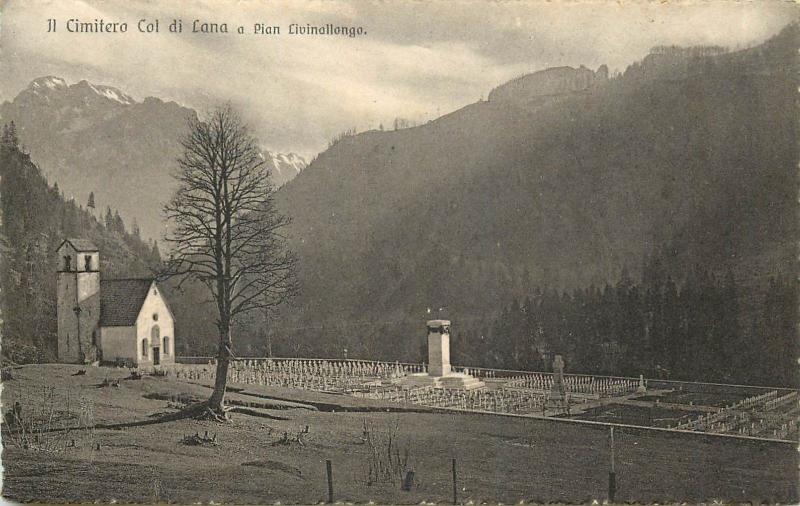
(155, 333)
(144, 348)
(88, 261)
(166, 345)
(155, 317)
(67, 262)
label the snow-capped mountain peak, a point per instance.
(108, 92)
(56, 88)
(48, 82)
(284, 166)
(292, 160)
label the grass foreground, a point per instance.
(276, 451)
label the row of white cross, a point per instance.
(764, 428)
(329, 367)
(500, 401)
(301, 372)
(275, 378)
(780, 401)
(755, 400)
(766, 415)
(605, 387)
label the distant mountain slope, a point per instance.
(96, 138)
(562, 178)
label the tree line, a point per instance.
(705, 328)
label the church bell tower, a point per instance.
(78, 301)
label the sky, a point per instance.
(418, 59)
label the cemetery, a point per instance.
(773, 414)
(732, 410)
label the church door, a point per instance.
(155, 340)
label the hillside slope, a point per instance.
(689, 156)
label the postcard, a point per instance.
(399, 252)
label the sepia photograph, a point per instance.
(409, 252)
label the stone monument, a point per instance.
(642, 388)
(439, 371)
(558, 395)
(439, 347)
(557, 391)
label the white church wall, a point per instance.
(88, 285)
(118, 343)
(154, 313)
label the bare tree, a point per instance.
(226, 230)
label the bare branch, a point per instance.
(226, 229)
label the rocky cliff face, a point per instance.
(549, 82)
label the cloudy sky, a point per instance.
(418, 59)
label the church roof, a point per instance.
(79, 244)
(121, 300)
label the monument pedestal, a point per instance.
(460, 381)
(642, 388)
(558, 398)
(452, 381)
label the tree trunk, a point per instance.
(217, 399)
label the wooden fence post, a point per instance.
(330, 481)
(612, 475)
(455, 484)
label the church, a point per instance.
(113, 321)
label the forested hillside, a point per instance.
(560, 181)
(35, 219)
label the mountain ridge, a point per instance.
(96, 138)
(566, 190)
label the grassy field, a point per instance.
(498, 458)
(636, 415)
